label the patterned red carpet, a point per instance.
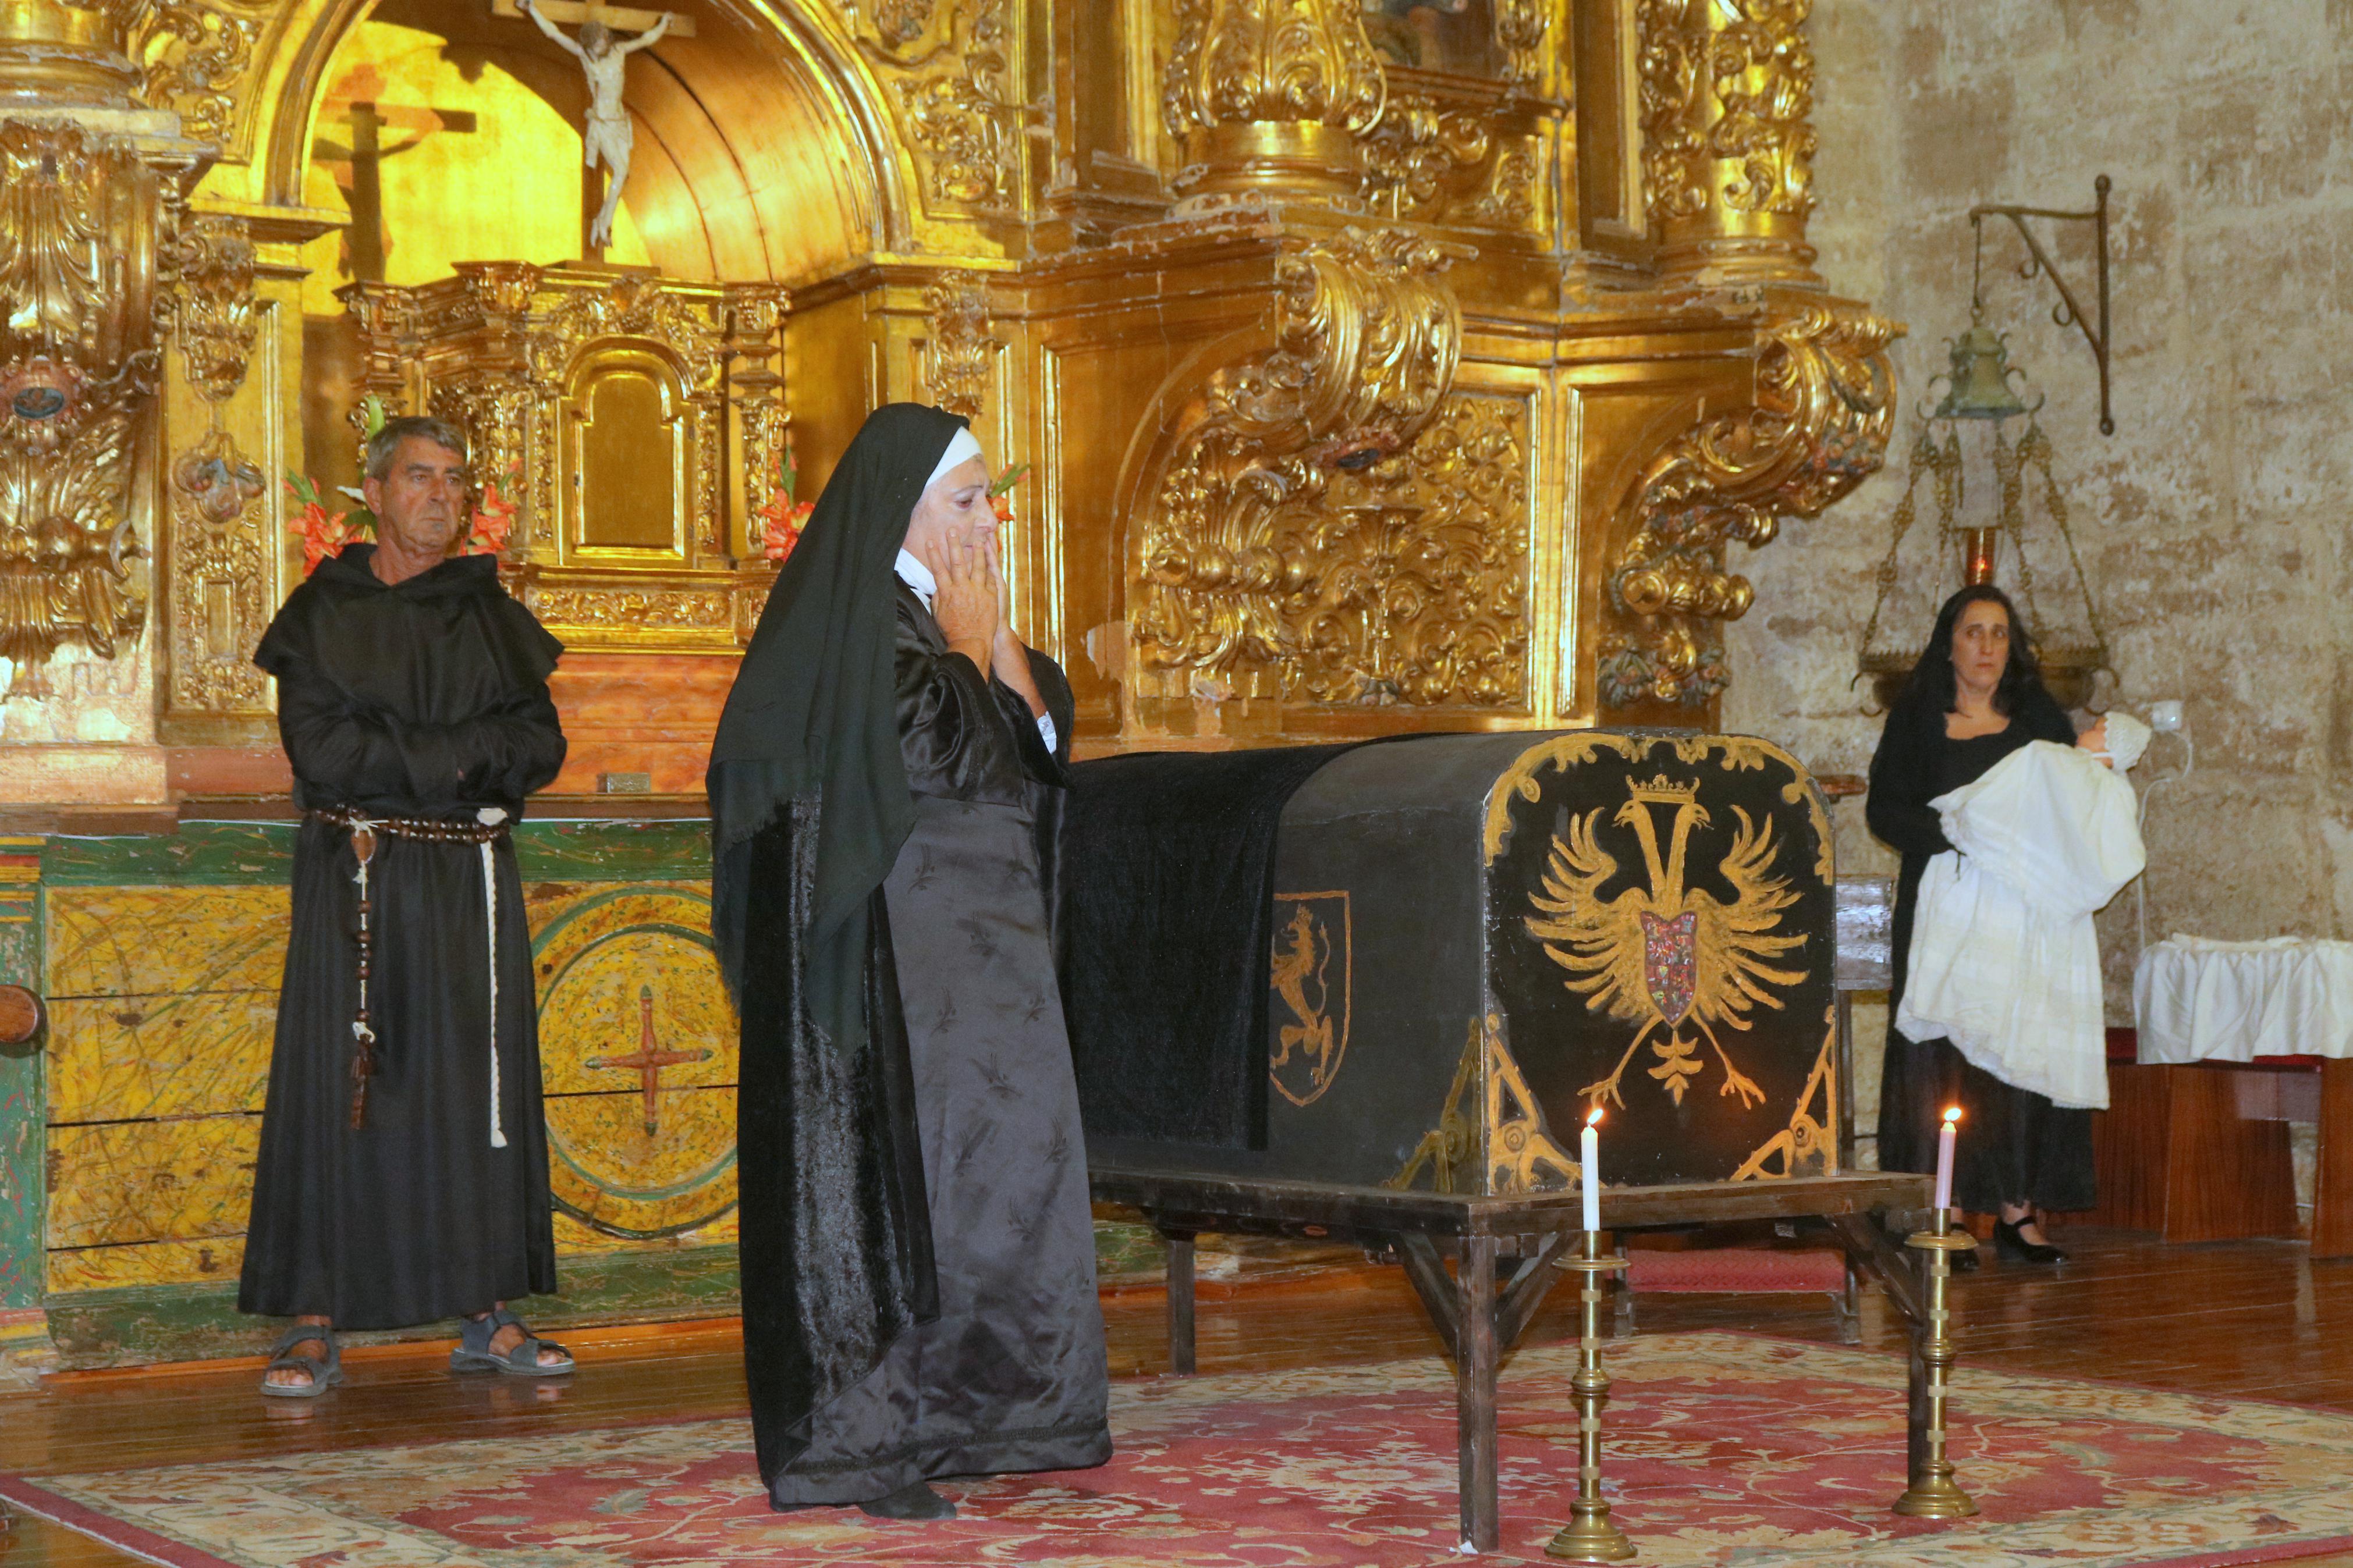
(1724, 1450)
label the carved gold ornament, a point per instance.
(1413, 573)
(196, 56)
(1366, 336)
(1418, 151)
(1726, 89)
(962, 352)
(64, 543)
(81, 215)
(220, 575)
(945, 63)
(211, 270)
(1728, 152)
(1663, 954)
(1819, 427)
(1270, 95)
(756, 315)
(1520, 35)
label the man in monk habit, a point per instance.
(403, 1169)
(918, 1260)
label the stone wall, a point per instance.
(2214, 521)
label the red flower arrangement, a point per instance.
(323, 534)
(494, 515)
(782, 517)
(1000, 491)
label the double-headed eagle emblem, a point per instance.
(1667, 955)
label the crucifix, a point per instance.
(648, 1061)
(606, 136)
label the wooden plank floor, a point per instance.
(2252, 1319)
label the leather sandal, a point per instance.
(324, 1372)
(474, 1353)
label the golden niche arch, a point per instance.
(449, 135)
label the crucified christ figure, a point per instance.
(606, 136)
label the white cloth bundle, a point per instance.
(2004, 960)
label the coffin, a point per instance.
(1479, 937)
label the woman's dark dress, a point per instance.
(2016, 1146)
(1011, 1375)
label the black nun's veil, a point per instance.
(809, 806)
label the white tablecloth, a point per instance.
(2197, 1000)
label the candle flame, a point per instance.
(1593, 1117)
(1952, 1114)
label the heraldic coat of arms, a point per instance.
(1667, 956)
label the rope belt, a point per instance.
(490, 825)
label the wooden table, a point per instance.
(1478, 1315)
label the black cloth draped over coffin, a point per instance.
(1168, 918)
(427, 699)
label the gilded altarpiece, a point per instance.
(603, 404)
(1378, 367)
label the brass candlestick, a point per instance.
(1588, 1536)
(1934, 1494)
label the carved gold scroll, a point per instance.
(948, 65)
(1823, 405)
(1366, 339)
(83, 218)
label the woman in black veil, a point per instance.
(918, 1262)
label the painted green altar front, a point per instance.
(127, 1133)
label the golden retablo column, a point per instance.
(1268, 97)
(1727, 151)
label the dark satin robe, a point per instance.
(2015, 1146)
(1007, 1373)
(427, 699)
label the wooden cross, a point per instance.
(650, 1060)
(615, 19)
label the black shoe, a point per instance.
(917, 1501)
(1964, 1260)
(2012, 1247)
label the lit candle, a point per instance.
(1945, 1136)
(1589, 1151)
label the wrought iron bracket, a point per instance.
(2069, 312)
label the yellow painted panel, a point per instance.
(151, 942)
(619, 970)
(198, 1053)
(151, 1181)
(214, 1262)
(604, 1163)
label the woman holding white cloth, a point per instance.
(1973, 698)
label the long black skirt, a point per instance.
(2015, 1146)
(1011, 1377)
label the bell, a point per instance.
(1978, 387)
